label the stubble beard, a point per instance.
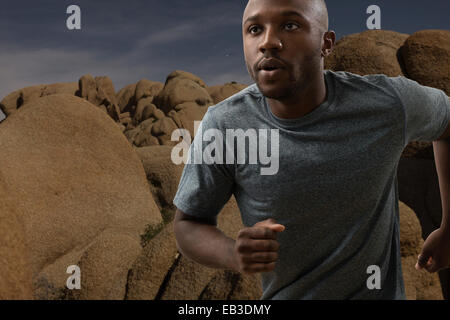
(299, 80)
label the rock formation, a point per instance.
(17, 99)
(419, 285)
(87, 180)
(222, 92)
(368, 52)
(426, 57)
(15, 268)
(423, 57)
(82, 192)
(183, 100)
(160, 272)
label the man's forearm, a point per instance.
(442, 159)
(205, 244)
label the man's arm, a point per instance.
(436, 249)
(255, 249)
(200, 240)
(441, 149)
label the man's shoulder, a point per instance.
(368, 79)
(239, 103)
(378, 82)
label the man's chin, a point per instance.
(274, 91)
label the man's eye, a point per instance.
(253, 29)
(291, 26)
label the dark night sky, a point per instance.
(130, 40)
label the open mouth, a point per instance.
(270, 71)
(270, 68)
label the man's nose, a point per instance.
(270, 41)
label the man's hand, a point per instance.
(256, 248)
(435, 253)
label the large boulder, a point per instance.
(146, 89)
(136, 104)
(15, 269)
(368, 52)
(137, 96)
(161, 272)
(184, 115)
(81, 187)
(426, 55)
(105, 266)
(230, 285)
(163, 175)
(152, 132)
(142, 136)
(143, 107)
(221, 92)
(162, 130)
(188, 279)
(100, 92)
(419, 285)
(183, 100)
(152, 266)
(18, 98)
(146, 110)
(126, 97)
(220, 286)
(182, 87)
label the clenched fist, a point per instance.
(256, 248)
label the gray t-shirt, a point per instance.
(336, 185)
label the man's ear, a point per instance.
(329, 40)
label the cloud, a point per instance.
(141, 43)
(197, 29)
(197, 44)
(26, 67)
(183, 32)
(22, 68)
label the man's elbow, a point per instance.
(177, 229)
(184, 226)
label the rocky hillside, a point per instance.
(86, 179)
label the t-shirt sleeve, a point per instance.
(426, 110)
(204, 188)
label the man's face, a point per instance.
(282, 45)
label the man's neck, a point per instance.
(303, 103)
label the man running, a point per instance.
(328, 218)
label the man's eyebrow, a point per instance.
(293, 13)
(284, 14)
(252, 18)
